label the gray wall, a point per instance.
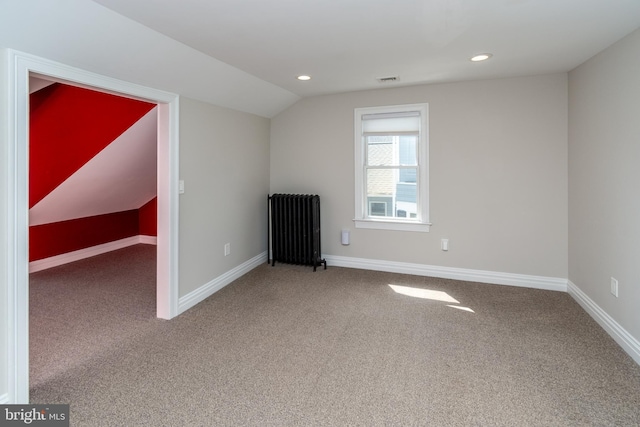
(224, 162)
(604, 179)
(498, 178)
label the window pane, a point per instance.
(381, 182)
(407, 148)
(388, 196)
(380, 150)
(391, 150)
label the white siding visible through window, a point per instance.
(392, 170)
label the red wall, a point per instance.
(57, 238)
(68, 127)
(147, 218)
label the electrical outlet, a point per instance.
(227, 249)
(614, 287)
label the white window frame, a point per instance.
(361, 220)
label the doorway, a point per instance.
(92, 190)
(20, 67)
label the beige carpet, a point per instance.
(284, 346)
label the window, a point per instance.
(392, 175)
(377, 208)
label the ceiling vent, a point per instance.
(388, 79)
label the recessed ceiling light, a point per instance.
(304, 78)
(481, 57)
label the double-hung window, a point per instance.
(392, 167)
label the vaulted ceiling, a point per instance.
(246, 54)
(345, 45)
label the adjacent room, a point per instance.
(92, 190)
(476, 170)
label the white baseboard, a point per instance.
(54, 261)
(148, 240)
(482, 276)
(208, 289)
(628, 343)
(4, 399)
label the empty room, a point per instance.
(470, 247)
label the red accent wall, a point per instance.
(147, 218)
(69, 126)
(57, 238)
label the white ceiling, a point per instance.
(344, 45)
(90, 37)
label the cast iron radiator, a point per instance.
(294, 221)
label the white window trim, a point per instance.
(361, 220)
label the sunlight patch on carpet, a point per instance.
(459, 307)
(424, 293)
(429, 294)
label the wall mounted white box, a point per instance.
(345, 237)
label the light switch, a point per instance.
(181, 187)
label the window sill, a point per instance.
(392, 225)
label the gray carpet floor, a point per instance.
(284, 346)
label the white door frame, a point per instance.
(19, 66)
